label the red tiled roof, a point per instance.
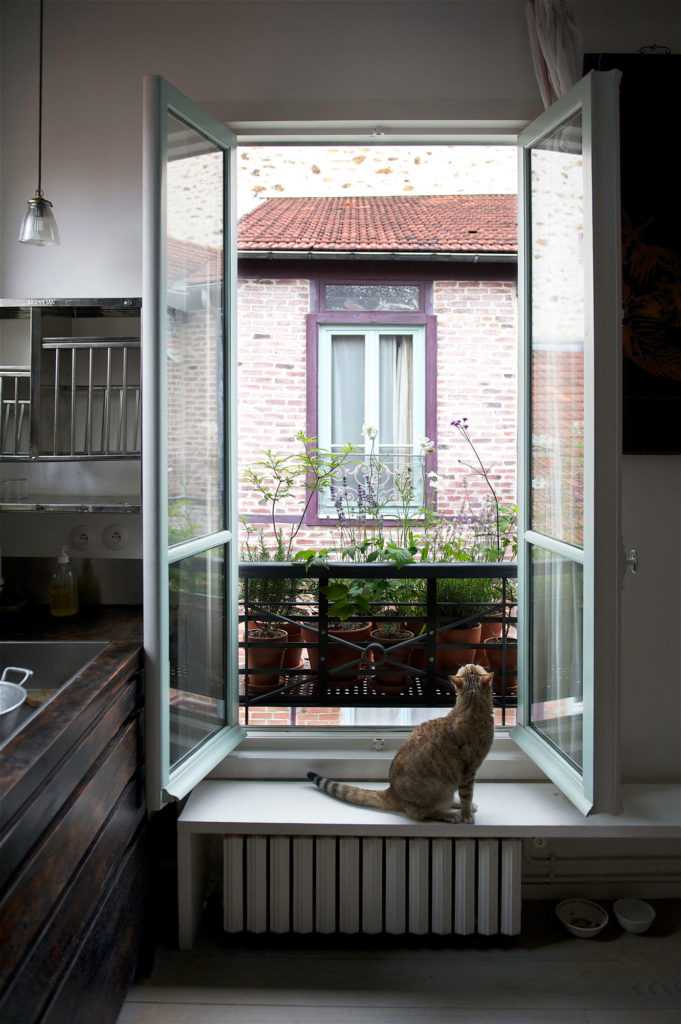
(462, 223)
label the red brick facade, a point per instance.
(476, 377)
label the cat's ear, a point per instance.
(457, 681)
(486, 678)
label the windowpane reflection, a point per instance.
(197, 651)
(557, 326)
(557, 646)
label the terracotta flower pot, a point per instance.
(270, 656)
(488, 631)
(450, 660)
(497, 659)
(338, 654)
(293, 657)
(389, 676)
(419, 650)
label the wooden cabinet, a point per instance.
(74, 866)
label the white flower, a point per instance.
(369, 431)
(427, 446)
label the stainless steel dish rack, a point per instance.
(70, 379)
(90, 398)
(15, 410)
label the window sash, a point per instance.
(372, 341)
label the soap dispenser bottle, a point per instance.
(63, 590)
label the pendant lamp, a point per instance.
(39, 226)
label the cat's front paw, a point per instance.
(459, 818)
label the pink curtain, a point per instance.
(554, 42)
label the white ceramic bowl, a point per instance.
(582, 918)
(635, 916)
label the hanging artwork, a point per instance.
(651, 249)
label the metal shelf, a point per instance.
(112, 504)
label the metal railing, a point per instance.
(400, 652)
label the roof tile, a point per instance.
(460, 223)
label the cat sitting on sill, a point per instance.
(440, 758)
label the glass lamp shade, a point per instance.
(39, 226)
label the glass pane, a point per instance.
(195, 256)
(396, 390)
(347, 389)
(557, 646)
(557, 325)
(197, 651)
(371, 297)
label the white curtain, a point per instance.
(347, 389)
(396, 396)
(555, 47)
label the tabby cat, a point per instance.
(440, 757)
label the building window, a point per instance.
(372, 396)
(369, 298)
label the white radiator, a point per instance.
(395, 886)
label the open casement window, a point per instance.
(569, 442)
(189, 437)
(372, 395)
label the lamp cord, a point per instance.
(40, 102)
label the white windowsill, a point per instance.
(351, 754)
(506, 810)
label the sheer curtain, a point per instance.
(396, 398)
(554, 43)
(347, 389)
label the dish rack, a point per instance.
(70, 379)
(90, 400)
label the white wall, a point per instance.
(424, 59)
(296, 60)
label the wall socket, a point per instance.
(79, 537)
(114, 537)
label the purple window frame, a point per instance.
(321, 317)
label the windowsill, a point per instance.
(506, 810)
(351, 754)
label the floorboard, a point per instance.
(542, 976)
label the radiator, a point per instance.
(392, 886)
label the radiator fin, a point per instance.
(395, 885)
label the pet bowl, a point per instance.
(635, 916)
(582, 917)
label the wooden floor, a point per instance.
(542, 977)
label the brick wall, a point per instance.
(476, 377)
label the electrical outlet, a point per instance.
(79, 538)
(114, 537)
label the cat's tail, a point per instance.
(381, 799)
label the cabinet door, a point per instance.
(189, 443)
(570, 442)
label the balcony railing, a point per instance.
(415, 630)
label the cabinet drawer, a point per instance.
(45, 803)
(40, 881)
(97, 979)
(58, 942)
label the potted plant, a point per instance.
(277, 480)
(349, 620)
(269, 653)
(501, 655)
(462, 602)
(389, 634)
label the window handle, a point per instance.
(631, 561)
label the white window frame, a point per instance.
(371, 332)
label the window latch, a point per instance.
(631, 561)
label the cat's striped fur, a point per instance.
(440, 757)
